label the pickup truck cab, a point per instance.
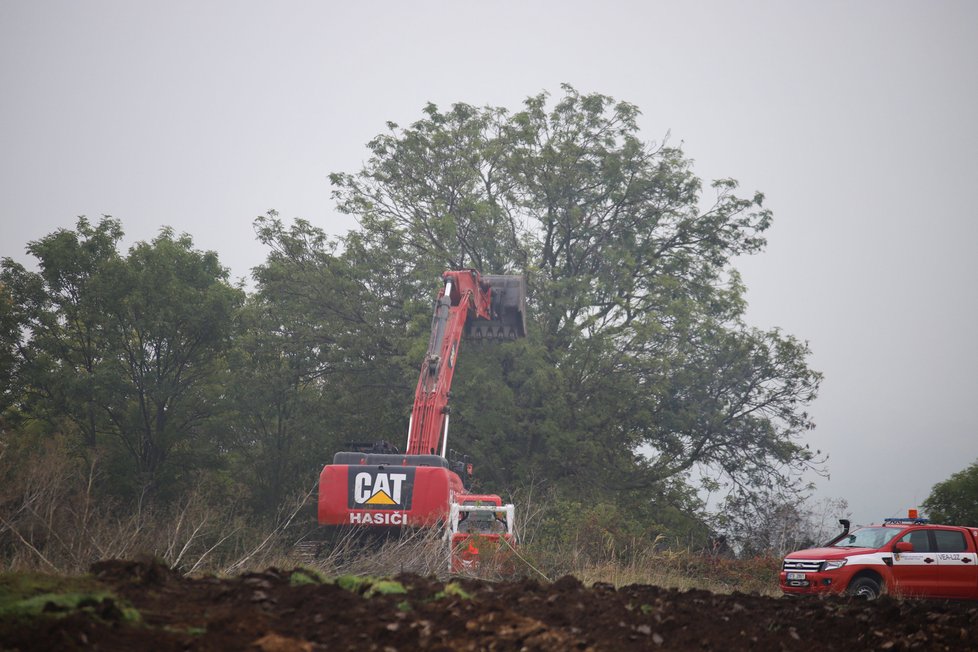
(907, 557)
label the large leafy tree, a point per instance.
(56, 324)
(955, 500)
(173, 318)
(639, 368)
(318, 363)
(638, 372)
(124, 353)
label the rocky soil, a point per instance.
(284, 611)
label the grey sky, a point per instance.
(857, 120)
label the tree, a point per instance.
(278, 428)
(57, 323)
(324, 357)
(10, 337)
(778, 524)
(173, 318)
(639, 367)
(441, 192)
(125, 353)
(955, 500)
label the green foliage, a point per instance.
(385, 587)
(29, 595)
(639, 368)
(955, 500)
(59, 327)
(323, 359)
(618, 527)
(303, 576)
(452, 590)
(15, 587)
(638, 373)
(124, 354)
(353, 583)
(61, 604)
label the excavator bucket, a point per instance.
(508, 310)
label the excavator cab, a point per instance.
(481, 538)
(508, 310)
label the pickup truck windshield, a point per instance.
(867, 537)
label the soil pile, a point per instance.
(286, 611)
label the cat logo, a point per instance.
(381, 489)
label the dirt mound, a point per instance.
(286, 611)
(142, 570)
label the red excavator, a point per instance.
(378, 487)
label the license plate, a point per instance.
(796, 576)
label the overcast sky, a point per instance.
(858, 120)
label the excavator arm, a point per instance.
(470, 305)
(378, 487)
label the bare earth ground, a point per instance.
(281, 611)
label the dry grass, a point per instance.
(423, 552)
(51, 521)
(686, 571)
(659, 565)
(426, 553)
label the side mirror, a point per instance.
(903, 546)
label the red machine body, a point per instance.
(387, 490)
(384, 488)
(481, 533)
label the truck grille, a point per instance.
(802, 565)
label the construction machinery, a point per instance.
(378, 487)
(480, 527)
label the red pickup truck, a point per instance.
(908, 557)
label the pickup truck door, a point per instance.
(958, 563)
(916, 573)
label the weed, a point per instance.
(101, 604)
(453, 589)
(303, 576)
(353, 583)
(385, 587)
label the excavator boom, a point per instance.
(469, 305)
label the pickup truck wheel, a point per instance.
(865, 587)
